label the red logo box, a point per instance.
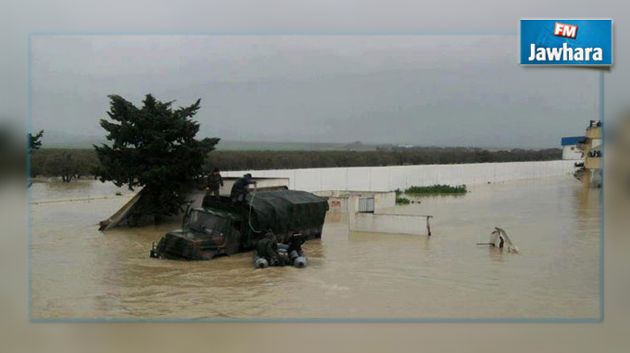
(565, 30)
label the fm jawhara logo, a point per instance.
(566, 42)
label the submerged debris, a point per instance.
(500, 239)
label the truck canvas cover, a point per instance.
(286, 210)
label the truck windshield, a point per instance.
(206, 222)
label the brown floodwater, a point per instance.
(81, 273)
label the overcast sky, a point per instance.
(426, 90)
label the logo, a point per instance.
(566, 42)
(565, 30)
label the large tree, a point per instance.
(153, 147)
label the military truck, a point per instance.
(222, 227)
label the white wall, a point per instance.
(384, 222)
(342, 201)
(394, 177)
(260, 183)
(571, 152)
(387, 223)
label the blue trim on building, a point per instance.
(573, 140)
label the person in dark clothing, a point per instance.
(239, 189)
(267, 248)
(271, 253)
(294, 253)
(215, 182)
(295, 244)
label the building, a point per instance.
(570, 149)
(589, 170)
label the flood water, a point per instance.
(81, 273)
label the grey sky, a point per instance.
(428, 90)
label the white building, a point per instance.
(570, 149)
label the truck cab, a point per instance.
(205, 234)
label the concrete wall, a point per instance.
(387, 223)
(395, 177)
(229, 181)
(384, 222)
(339, 201)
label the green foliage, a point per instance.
(35, 142)
(50, 161)
(65, 166)
(436, 189)
(402, 200)
(153, 147)
(259, 160)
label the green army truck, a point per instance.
(221, 227)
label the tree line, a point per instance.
(67, 164)
(73, 163)
(260, 160)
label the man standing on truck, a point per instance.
(215, 182)
(239, 189)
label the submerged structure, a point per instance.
(222, 227)
(500, 240)
(374, 212)
(589, 169)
